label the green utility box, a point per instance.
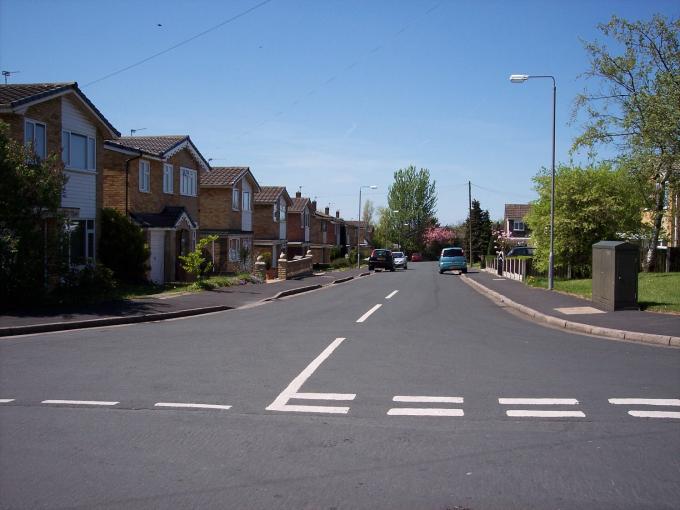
(615, 275)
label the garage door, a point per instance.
(157, 256)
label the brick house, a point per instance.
(154, 181)
(227, 211)
(516, 229)
(299, 221)
(270, 221)
(362, 229)
(322, 235)
(57, 118)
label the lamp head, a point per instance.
(519, 78)
(373, 186)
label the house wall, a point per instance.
(264, 226)
(295, 230)
(216, 212)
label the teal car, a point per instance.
(452, 259)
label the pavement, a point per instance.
(548, 307)
(577, 314)
(165, 306)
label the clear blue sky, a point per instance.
(331, 94)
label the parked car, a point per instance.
(416, 257)
(452, 259)
(400, 259)
(521, 251)
(381, 258)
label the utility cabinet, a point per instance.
(615, 275)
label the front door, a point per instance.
(157, 256)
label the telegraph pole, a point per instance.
(470, 217)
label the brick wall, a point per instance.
(216, 212)
(264, 226)
(295, 232)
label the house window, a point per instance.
(78, 151)
(187, 182)
(35, 138)
(305, 218)
(167, 179)
(234, 199)
(324, 226)
(144, 176)
(234, 250)
(81, 241)
(518, 226)
(275, 212)
(282, 211)
(246, 200)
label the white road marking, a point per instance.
(81, 402)
(6, 400)
(579, 310)
(521, 413)
(405, 411)
(499, 279)
(368, 314)
(391, 294)
(281, 402)
(449, 400)
(654, 414)
(646, 401)
(192, 406)
(325, 396)
(538, 401)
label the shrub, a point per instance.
(195, 262)
(123, 247)
(267, 259)
(85, 284)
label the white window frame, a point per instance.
(31, 142)
(168, 178)
(245, 197)
(144, 176)
(234, 249)
(90, 150)
(187, 182)
(514, 226)
(235, 197)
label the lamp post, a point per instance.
(372, 186)
(521, 78)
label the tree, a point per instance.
(436, 238)
(368, 211)
(195, 262)
(596, 203)
(637, 106)
(30, 227)
(415, 198)
(481, 232)
(123, 247)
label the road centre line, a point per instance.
(655, 414)
(522, 413)
(449, 400)
(413, 411)
(189, 405)
(538, 401)
(81, 402)
(391, 294)
(645, 401)
(6, 400)
(324, 396)
(281, 402)
(368, 314)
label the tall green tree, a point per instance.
(595, 203)
(636, 105)
(414, 196)
(481, 232)
(367, 213)
(30, 195)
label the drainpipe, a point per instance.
(127, 173)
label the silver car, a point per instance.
(400, 259)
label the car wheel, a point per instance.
(464, 270)
(405, 267)
(392, 269)
(441, 271)
(371, 268)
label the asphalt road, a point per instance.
(413, 407)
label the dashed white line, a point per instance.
(405, 411)
(191, 406)
(368, 314)
(645, 401)
(81, 402)
(391, 294)
(655, 414)
(522, 413)
(408, 398)
(538, 401)
(281, 402)
(6, 400)
(324, 396)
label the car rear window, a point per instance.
(380, 253)
(452, 252)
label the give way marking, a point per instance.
(292, 391)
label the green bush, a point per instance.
(267, 259)
(339, 263)
(195, 262)
(86, 284)
(123, 247)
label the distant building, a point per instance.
(515, 225)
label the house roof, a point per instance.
(270, 194)
(355, 223)
(516, 210)
(16, 95)
(324, 216)
(169, 217)
(162, 146)
(299, 204)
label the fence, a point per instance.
(515, 268)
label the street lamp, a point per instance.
(373, 186)
(521, 78)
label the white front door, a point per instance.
(157, 256)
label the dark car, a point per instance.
(521, 251)
(382, 259)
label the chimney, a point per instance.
(298, 194)
(328, 209)
(313, 205)
(337, 214)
